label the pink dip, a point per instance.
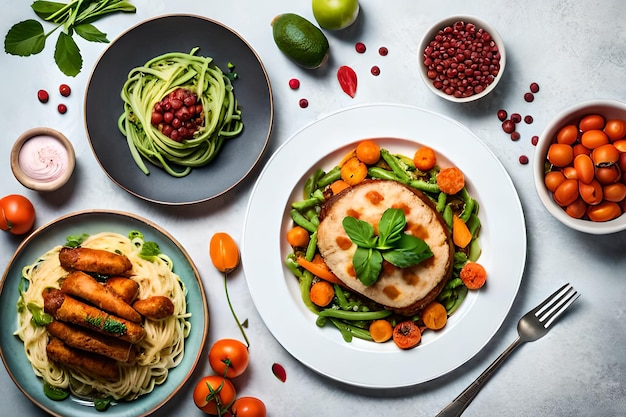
(43, 158)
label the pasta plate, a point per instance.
(274, 289)
(92, 222)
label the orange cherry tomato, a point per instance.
(248, 407)
(224, 252)
(298, 237)
(614, 192)
(591, 122)
(605, 211)
(17, 214)
(577, 209)
(553, 179)
(580, 149)
(560, 154)
(353, 171)
(591, 193)
(424, 158)
(593, 138)
(605, 155)
(566, 193)
(608, 175)
(214, 395)
(570, 173)
(615, 129)
(567, 135)
(584, 168)
(229, 357)
(622, 161)
(368, 152)
(620, 145)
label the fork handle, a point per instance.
(460, 403)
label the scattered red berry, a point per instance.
(523, 159)
(304, 103)
(515, 136)
(383, 51)
(534, 88)
(65, 90)
(529, 97)
(534, 140)
(279, 372)
(360, 47)
(43, 96)
(62, 108)
(528, 119)
(294, 83)
(502, 115)
(516, 117)
(508, 126)
(375, 71)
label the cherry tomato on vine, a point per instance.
(248, 407)
(229, 357)
(214, 395)
(224, 252)
(17, 214)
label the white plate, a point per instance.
(275, 290)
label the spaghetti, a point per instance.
(148, 84)
(161, 349)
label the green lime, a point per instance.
(300, 40)
(335, 14)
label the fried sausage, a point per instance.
(65, 308)
(89, 341)
(125, 288)
(155, 308)
(84, 286)
(89, 362)
(97, 261)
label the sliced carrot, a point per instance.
(473, 275)
(338, 186)
(298, 236)
(407, 334)
(450, 180)
(319, 268)
(461, 235)
(347, 157)
(435, 316)
(322, 293)
(381, 330)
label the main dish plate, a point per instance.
(275, 292)
(92, 222)
(178, 33)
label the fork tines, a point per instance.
(554, 305)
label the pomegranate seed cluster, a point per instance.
(179, 115)
(462, 60)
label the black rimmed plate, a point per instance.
(92, 222)
(178, 33)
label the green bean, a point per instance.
(341, 297)
(394, 164)
(441, 202)
(305, 288)
(461, 293)
(300, 220)
(426, 186)
(453, 283)
(330, 177)
(447, 215)
(355, 315)
(347, 331)
(383, 174)
(316, 198)
(311, 247)
(473, 224)
(475, 250)
(293, 265)
(311, 183)
(321, 321)
(469, 205)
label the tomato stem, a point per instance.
(230, 305)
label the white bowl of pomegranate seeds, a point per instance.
(462, 58)
(580, 166)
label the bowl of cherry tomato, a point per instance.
(580, 166)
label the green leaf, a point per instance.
(75, 241)
(54, 393)
(25, 38)
(90, 33)
(149, 249)
(409, 251)
(67, 55)
(360, 232)
(39, 317)
(390, 227)
(45, 9)
(367, 265)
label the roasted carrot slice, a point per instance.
(407, 334)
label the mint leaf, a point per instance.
(25, 38)
(390, 227)
(409, 251)
(67, 55)
(367, 265)
(90, 33)
(360, 232)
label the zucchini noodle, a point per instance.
(149, 84)
(161, 350)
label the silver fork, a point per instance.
(532, 326)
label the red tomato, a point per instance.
(591, 122)
(567, 135)
(608, 175)
(214, 395)
(17, 214)
(229, 357)
(248, 407)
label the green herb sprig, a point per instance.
(391, 244)
(76, 17)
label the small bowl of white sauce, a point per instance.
(42, 159)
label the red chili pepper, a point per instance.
(347, 80)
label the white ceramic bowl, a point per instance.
(610, 109)
(450, 21)
(42, 159)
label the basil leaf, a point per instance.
(90, 33)
(54, 393)
(67, 55)
(75, 241)
(360, 232)
(390, 227)
(25, 38)
(409, 251)
(149, 249)
(102, 404)
(367, 265)
(45, 9)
